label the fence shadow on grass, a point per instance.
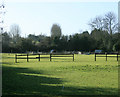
(23, 81)
(8, 63)
(62, 60)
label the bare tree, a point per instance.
(110, 24)
(96, 23)
(15, 30)
(107, 23)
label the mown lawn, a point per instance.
(60, 77)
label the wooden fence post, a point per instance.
(117, 56)
(50, 57)
(73, 57)
(39, 56)
(95, 56)
(106, 56)
(15, 58)
(27, 58)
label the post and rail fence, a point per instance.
(106, 55)
(28, 56)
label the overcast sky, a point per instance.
(35, 17)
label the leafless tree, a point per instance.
(110, 23)
(107, 23)
(96, 23)
(15, 30)
(15, 33)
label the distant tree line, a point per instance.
(104, 36)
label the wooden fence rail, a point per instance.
(61, 55)
(28, 56)
(106, 55)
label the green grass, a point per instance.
(61, 77)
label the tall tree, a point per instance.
(5, 42)
(110, 23)
(96, 23)
(56, 31)
(107, 23)
(102, 39)
(15, 30)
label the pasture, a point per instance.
(60, 77)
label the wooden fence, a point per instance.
(106, 55)
(61, 55)
(39, 56)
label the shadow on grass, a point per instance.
(23, 81)
(8, 63)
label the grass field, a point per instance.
(61, 77)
